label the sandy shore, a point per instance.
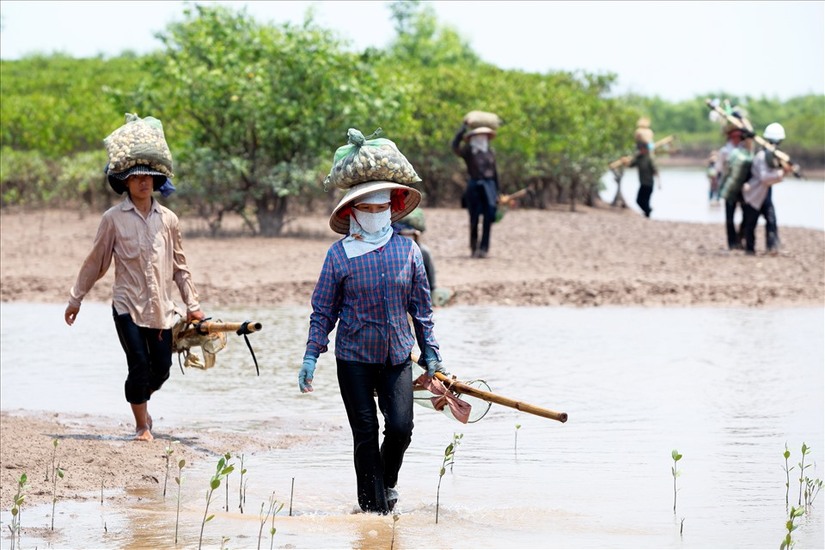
(586, 258)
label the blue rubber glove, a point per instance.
(430, 360)
(306, 373)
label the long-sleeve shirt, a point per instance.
(369, 296)
(762, 176)
(647, 168)
(148, 258)
(481, 165)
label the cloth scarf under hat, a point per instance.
(480, 142)
(359, 241)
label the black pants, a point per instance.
(376, 468)
(482, 200)
(734, 234)
(750, 219)
(148, 354)
(643, 198)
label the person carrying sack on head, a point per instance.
(143, 238)
(481, 193)
(372, 286)
(643, 162)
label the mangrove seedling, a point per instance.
(456, 441)
(270, 511)
(787, 455)
(178, 481)
(448, 459)
(812, 488)
(515, 442)
(222, 470)
(167, 455)
(242, 488)
(226, 505)
(58, 472)
(787, 542)
(676, 458)
(16, 507)
(805, 451)
(54, 457)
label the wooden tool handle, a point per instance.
(461, 387)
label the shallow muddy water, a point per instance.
(727, 387)
(684, 197)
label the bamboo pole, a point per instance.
(624, 161)
(210, 327)
(783, 157)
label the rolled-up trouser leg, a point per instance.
(148, 356)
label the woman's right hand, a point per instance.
(71, 314)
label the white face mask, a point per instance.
(373, 223)
(480, 142)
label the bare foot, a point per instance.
(143, 434)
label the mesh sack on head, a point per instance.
(363, 160)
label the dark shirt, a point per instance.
(481, 165)
(647, 168)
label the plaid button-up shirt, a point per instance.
(369, 296)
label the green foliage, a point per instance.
(265, 103)
(271, 511)
(787, 542)
(16, 507)
(222, 470)
(179, 482)
(424, 42)
(449, 456)
(787, 455)
(676, 473)
(58, 105)
(802, 467)
(253, 113)
(24, 175)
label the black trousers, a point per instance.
(377, 467)
(482, 201)
(734, 235)
(751, 217)
(643, 198)
(148, 355)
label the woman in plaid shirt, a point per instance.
(372, 284)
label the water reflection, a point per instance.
(727, 387)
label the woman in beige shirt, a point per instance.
(144, 240)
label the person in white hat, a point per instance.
(371, 285)
(481, 195)
(143, 239)
(765, 172)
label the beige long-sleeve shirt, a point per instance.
(148, 259)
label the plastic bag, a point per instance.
(138, 141)
(362, 160)
(476, 119)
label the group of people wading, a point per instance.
(373, 288)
